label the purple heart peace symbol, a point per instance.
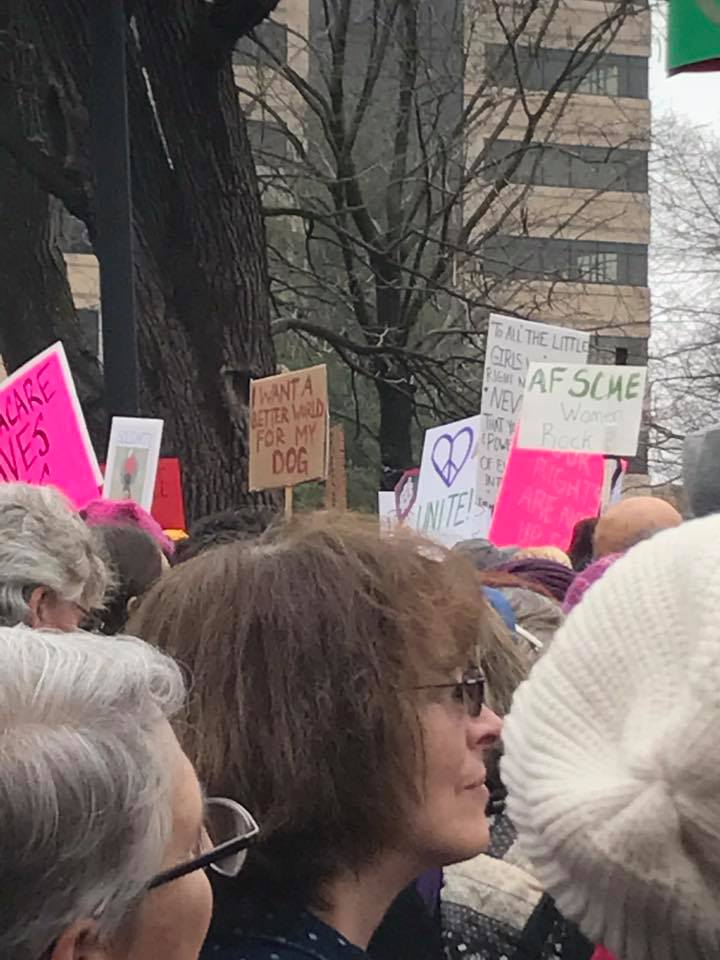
(450, 454)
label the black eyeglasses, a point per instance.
(231, 829)
(470, 690)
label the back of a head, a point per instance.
(303, 647)
(631, 521)
(555, 577)
(228, 526)
(580, 550)
(612, 756)
(84, 788)
(588, 578)
(544, 553)
(136, 562)
(44, 542)
(483, 554)
(130, 514)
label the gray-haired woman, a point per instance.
(52, 573)
(103, 845)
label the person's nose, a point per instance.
(484, 730)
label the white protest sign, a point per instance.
(447, 508)
(387, 511)
(511, 345)
(132, 460)
(583, 409)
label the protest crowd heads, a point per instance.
(115, 512)
(136, 562)
(631, 521)
(92, 784)
(330, 767)
(52, 572)
(612, 757)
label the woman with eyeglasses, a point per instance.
(105, 832)
(336, 690)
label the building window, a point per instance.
(600, 266)
(579, 261)
(559, 165)
(602, 80)
(270, 34)
(610, 75)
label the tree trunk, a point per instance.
(392, 380)
(37, 305)
(396, 420)
(207, 259)
(201, 274)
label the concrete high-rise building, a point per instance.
(576, 249)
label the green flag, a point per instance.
(693, 36)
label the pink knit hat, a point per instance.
(102, 512)
(583, 581)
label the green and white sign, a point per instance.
(693, 36)
(582, 408)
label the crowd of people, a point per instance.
(285, 740)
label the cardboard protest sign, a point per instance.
(583, 409)
(447, 508)
(168, 506)
(132, 460)
(543, 495)
(43, 436)
(288, 428)
(336, 483)
(511, 345)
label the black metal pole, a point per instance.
(113, 205)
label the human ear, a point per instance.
(37, 602)
(132, 605)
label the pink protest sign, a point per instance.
(43, 436)
(542, 496)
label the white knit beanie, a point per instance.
(612, 753)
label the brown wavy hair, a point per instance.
(304, 648)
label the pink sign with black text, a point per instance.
(43, 436)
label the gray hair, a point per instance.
(85, 803)
(44, 542)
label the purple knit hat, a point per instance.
(555, 577)
(583, 581)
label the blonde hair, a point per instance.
(544, 553)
